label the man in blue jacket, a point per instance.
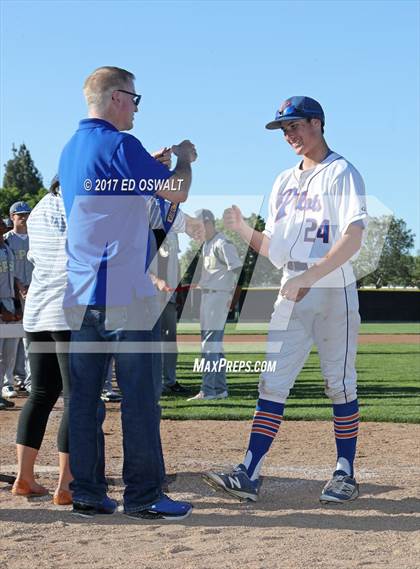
(107, 177)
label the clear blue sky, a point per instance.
(215, 72)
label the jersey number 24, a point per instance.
(313, 231)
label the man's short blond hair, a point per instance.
(102, 82)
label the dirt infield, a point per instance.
(363, 338)
(288, 528)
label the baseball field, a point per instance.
(288, 527)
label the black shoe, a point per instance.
(107, 506)
(5, 403)
(7, 478)
(175, 389)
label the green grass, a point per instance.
(390, 328)
(389, 389)
(262, 327)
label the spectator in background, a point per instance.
(10, 313)
(219, 275)
(18, 240)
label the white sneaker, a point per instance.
(200, 396)
(222, 395)
(8, 391)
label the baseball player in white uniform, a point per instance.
(317, 214)
(219, 274)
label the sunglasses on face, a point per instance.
(136, 98)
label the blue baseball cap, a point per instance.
(19, 207)
(297, 108)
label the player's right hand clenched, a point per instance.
(232, 218)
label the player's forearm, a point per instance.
(257, 240)
(179, 183)
(339, 254)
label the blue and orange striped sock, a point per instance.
(267, 419)
(346, 427)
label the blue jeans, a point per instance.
(143, 465)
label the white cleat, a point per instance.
(201, 396)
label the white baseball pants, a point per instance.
(326, 317)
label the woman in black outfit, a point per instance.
(44, 323)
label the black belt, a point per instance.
(297, 266)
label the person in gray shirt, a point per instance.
(18, 240)
(9, 316)
(219, 275)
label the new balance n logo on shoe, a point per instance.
(234, 481)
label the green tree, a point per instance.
(33, 199)
(396, 266)
(8, 196)
(21, 172)
(415, 281)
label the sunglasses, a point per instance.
(290, 110)
(136, 98)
